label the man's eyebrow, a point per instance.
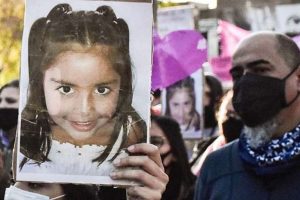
(62, 82)
(249, 65)
(257, 62)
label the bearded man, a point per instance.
(264, 163)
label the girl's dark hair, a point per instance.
(187, 83)
(66, 30)
(172, 132)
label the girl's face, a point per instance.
(181, 106)
(81, 93)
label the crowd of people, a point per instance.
(250, 147)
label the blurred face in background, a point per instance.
(51, 190)
(9, 98)
(229, 122)
(9, 103)
(181, 106)
(206, 96)
(158, 139)
(226, 109)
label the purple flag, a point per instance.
(176, 56)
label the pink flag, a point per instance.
(221, 67)
(230, 37)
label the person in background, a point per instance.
(9, 104)
(211, 97)
(230, 126)
(41, 191)
(165, 133)
(265, 162)
(212, 94)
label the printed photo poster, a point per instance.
(288, 18)
(175, 18)
(182, 101)
(85, 88)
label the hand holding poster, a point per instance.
(81, 110)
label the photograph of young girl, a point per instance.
(82, 81)
(182, 101)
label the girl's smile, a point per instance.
(83, 126)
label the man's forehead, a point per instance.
(256, 49)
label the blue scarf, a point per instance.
(275, 156)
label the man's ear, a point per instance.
(298, 78)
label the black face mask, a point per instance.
(232, 128)
(8, 118)
(257, 98)
(209, 117)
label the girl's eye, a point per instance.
(102, 90)
(65, 90)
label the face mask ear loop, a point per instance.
(294, 99)
(287, 76)
(58, 197)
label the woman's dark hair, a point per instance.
(216, 90)
(66, 30)
(13, 83)
(172, 132)
(187, 83)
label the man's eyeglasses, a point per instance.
(157, 140)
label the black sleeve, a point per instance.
(111, 193)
